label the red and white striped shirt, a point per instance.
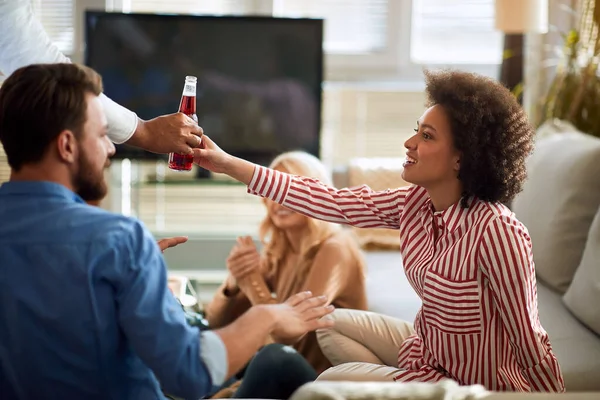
(472, 268)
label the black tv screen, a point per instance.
(259, 78)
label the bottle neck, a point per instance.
(189, 89)
(187, 105)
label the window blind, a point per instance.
(351, 26)
(57, 17)
(454, 32)
(4, 169)
(217, 7)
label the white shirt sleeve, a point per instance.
(23, 41)
(214, 355)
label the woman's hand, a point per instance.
(242, 261)
(211, 157)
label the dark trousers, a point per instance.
(275, 373)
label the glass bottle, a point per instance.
(187, 106)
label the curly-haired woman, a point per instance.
(464, 252)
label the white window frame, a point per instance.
(392, 64)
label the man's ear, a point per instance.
(66, 146)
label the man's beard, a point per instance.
(89, 184)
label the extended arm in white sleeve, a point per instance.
(23, 41)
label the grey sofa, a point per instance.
(560, 205)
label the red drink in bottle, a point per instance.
(181, 162)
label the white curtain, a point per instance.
(542, 53)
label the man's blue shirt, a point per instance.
(85, 311)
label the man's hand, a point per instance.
(300, 314)
(167, 243)
(285, 322)
(173, 133)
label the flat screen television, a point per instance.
(259, 78)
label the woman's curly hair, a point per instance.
(489, 128)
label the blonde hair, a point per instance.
(276, 246)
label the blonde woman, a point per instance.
(299, 253)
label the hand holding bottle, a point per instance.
(167, 133)
(212, 158)
(176, 133)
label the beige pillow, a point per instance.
(342, 390)
(379, 174)
(583, 296)
(559, 202)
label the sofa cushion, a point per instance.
(583, 296)
(379, 173)
(558, 203)
(388, 289)
(576, 347)
(342, 390)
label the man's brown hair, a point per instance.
(40, 101)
